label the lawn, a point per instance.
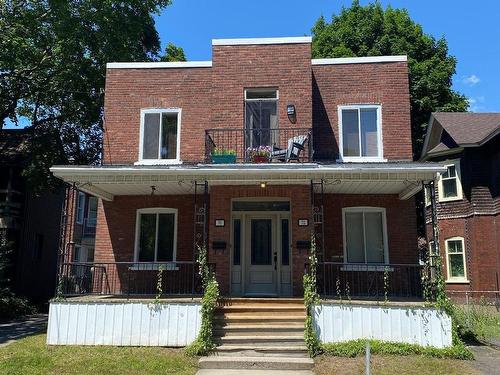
(32, 356)
(391, 364)
(480, 320)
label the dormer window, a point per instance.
(360, 133)
(450, 186)
(160, 136)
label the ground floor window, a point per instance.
(365, 235)
(156, 235)
(455, 259)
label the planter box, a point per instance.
(223, 159)
(260, 159)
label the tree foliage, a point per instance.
(173, 53)
(53, 57)
(372, 30)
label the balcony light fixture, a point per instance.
(290, 111)
(263, 184)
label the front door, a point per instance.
(262, 255)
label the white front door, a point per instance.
(261, 255)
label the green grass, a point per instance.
(478, 321)
(32, 356)
(356, 348)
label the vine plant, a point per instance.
(310, 299)
(204, 343)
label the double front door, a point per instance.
(264, 268)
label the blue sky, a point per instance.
(472, 29)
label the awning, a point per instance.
(402, 178)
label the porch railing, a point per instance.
(345, 280)
(242, 141)
(131, 279)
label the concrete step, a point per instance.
(259, 319)
(259, 330)
(252, 372)
(288, 340)
(289, 351)
(259, 307)
(266, 301)
(255, 363)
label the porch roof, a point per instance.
(403, 178)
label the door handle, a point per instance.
(275, 258)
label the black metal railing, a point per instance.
(371, 281)
(131, 279)
(283, 144)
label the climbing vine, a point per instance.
(310, 299)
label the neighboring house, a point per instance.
(31, 222)
(467, 200)
(249, 154)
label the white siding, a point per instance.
(413, 325)
(123, 324)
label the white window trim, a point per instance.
(450, 279)
(262, 89)
(363, 209)
(88, 211)
(80, 207)
(380, 156)
(442, 198)
(148, 265)
(177, 159)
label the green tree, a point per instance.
(173, 53)
(53, 57)
(372, 30)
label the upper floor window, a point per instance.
(92, 212)
(450, 186)
(156, 235)
(80, 207)
(160, 136)
(360, 133)
(455, 259)
(261, 117)
(365, 235)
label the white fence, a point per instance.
(406, 324)
(123, 323)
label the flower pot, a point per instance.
(260, 159)
(223, 159)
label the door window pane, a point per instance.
(260, 118)
(151, 136)
(354, 237)
(374, 237)
(369, 135)
(237, 242)
(166, 228)
(285, 243)
(169, 136)
(147, 237)
(261, 242)
(350, 132)
(261, 206)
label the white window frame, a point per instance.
(262, 89)
(90, 224)
(159, 161)
(363, 209)
(380, 156)
(155, 210)
(80, 208)
(450, 279)
(458, 177)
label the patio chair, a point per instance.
(292, 152)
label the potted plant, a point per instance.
(223, 156)
(259, 154)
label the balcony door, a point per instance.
(261, 117)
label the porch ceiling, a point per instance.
(105, 182)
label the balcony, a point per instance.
(228, 146)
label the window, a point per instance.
(160, 136)
(450, 187)
(360, 133)
(77, 254)
(236, 242)
(80, 207)
(261, 117)
(427, 195)
(92, 212)
(365, 235)
(455, 260)
(156, 235)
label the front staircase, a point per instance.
(260, 334)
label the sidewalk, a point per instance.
(16, 329)
(487, 359)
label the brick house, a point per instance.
(467, 200)
(253, 155)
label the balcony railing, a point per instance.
(130, 279)
(371, 281)
(275, 145)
